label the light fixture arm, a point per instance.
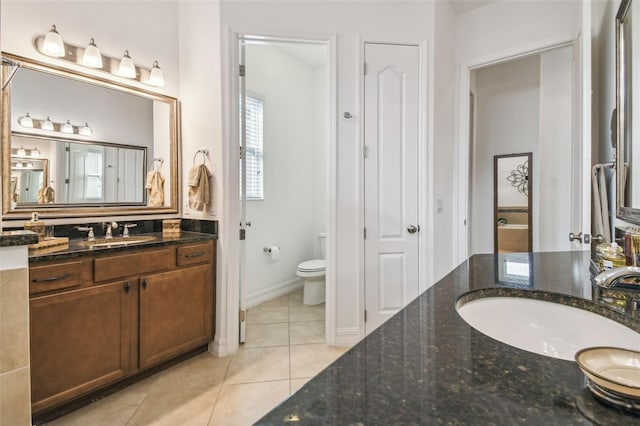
(13, 69)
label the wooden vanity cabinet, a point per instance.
(128, 312)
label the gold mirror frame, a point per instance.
(60, 211)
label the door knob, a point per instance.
(573, 236)
(412, 229)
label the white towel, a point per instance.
(155, 189)
(199, 192)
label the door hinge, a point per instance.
(243, 153)
(365, 315)
(365, 233)
(243, 315)
(364, 68)
(365, 151)
(242, 70)
(243, 234)
(66, 181)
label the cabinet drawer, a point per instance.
(194, 254)
(124, 265)
(55, 277)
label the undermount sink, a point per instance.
(118, 242)
(546, 328)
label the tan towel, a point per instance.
(46, 195)
(155, 189)
(199, 193)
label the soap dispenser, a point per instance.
(36, 225)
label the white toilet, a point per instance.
(313, 273)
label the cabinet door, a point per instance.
(79, 342)
(176, 313)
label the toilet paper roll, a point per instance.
(275, 252)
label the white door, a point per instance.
(391, 179)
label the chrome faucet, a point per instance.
(125, 233)
(90, 235)
(621, 277)
(110, 225)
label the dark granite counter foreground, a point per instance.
(426, 365)
(80, 248)
(17, 238)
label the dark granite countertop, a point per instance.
(81, 248)
(426, 365)
(17, 238)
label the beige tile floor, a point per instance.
(284, 349)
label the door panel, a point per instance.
(391, 179)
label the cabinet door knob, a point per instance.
(127, 287)
(144, 283)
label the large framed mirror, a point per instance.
(628, 108)
(512, 220)
(75, 145)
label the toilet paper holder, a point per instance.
(268, 249)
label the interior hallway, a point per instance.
(284, 349)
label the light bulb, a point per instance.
(18, 165)
(92, 57)
(35, 152)
(156, 78)
(26, 121)
(47, 124)
(127, 68)
(30, 165)
(67, 128)
(53, 44)
(86, 130)
(21, 152)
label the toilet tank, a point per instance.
(323, 252)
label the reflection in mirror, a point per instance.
(512, 203)
(99, 140)
(628, 82)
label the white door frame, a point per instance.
(228, 295)
(425, 165)
(462, 149)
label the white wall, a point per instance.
(507, 118)
(285, 217)
(351, 22)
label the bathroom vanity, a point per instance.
(426, 365)
(100, 314)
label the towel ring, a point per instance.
(205, 154)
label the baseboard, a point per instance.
(273, 291)
(347, 336)
(218, 347)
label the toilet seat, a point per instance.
(314, 265)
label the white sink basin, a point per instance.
(546, 328)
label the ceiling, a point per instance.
(465, 5)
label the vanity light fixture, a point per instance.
(26, 121)
(35, 152)
(53, 44)
(47, 124)
(67, 127)
(18, 165)
(127, 68)
(85, 130)
(21, 152)
(92, 57)
(156, 77)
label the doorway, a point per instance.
(527, 104)
(391, 179)
(283, 173)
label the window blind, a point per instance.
(254, 149)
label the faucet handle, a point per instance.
(89, 229)
(125, 233)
